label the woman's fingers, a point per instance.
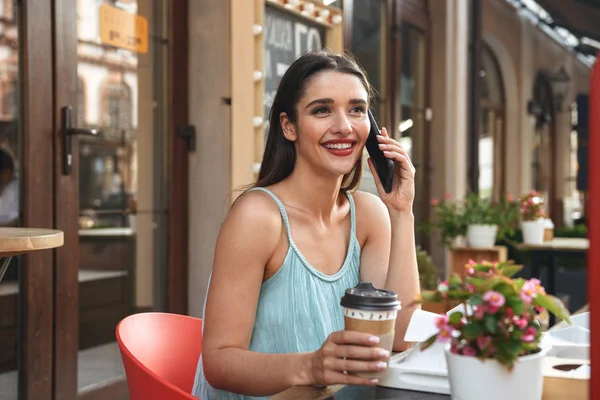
(346, 379)
(360, 352)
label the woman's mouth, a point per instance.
(340, 149)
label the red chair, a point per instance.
(160, 353)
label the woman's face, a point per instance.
(332, 124)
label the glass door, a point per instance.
(112, 199)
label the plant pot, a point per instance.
(459, 241)
(482, 236)
(533, 231)
(473, 379)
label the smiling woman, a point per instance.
(299, 237)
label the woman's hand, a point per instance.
(347, 351)
(400, 199)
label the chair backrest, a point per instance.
(160, 353)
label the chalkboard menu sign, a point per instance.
(287, 36)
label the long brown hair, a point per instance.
(279, 157)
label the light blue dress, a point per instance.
(298, 307)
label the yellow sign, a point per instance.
(122, 29)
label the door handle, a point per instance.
(68, 131)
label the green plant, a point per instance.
(446, 219)
(507, 216)
(478, 211)
(500, 314)
(577, 231)
(429, 275)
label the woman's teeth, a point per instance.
(338, 146)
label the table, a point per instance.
(17, 241)
(342, 392)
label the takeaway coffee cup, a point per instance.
(371, 310)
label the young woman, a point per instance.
(293, 244)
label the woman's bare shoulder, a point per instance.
(254, 212)
(369, 204)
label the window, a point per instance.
(81, 104)
(491, 127)
(116, 109)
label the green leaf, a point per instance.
(553, 305)
(517, 305)
(472, 331)
(491, 324)
(455, 317)
(511, 270)
(431, 296)
(476, 300)
(519, 282)
(428, 342)
(496, 280)
(455, 281)
(514, 347)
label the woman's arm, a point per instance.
(388, 256)
(245, 245)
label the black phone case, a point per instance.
(383, 165)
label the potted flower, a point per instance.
(480, 217)
(447, 220)
(532, 218)
(493, 346)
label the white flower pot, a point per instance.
(482, 236)
(533, 231)
(473, 379)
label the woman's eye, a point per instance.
(320, 110)
(359, 109)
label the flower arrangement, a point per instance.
(532, 206)
(499, 317)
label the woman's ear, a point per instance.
(289, 129)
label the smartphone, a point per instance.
(383, 165)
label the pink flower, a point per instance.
(531, 289)
(492, 309)
(479, 312)
(521, 323)
(445, 334)
(471, 262)
(443, 287)
(441, 321)
(469, 351)
(470, 271)
(447, 196)
(509, 312)
(509, 197)
(483, 341)
(453, 348)
(470, 288)
(529, 334)
(494, 299)
(435, 202)
(533, 193)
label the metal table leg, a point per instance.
(4, 261)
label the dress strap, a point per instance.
(352, 216)
(284, 215)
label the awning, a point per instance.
(580, 17)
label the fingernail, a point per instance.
(374, 339)
(381, 145)
(381, 365)
(384, 353)
(375, 381)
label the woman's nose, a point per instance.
(342, 124)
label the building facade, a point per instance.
(173, 97)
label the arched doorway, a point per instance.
(543, 158)
(492, 138)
